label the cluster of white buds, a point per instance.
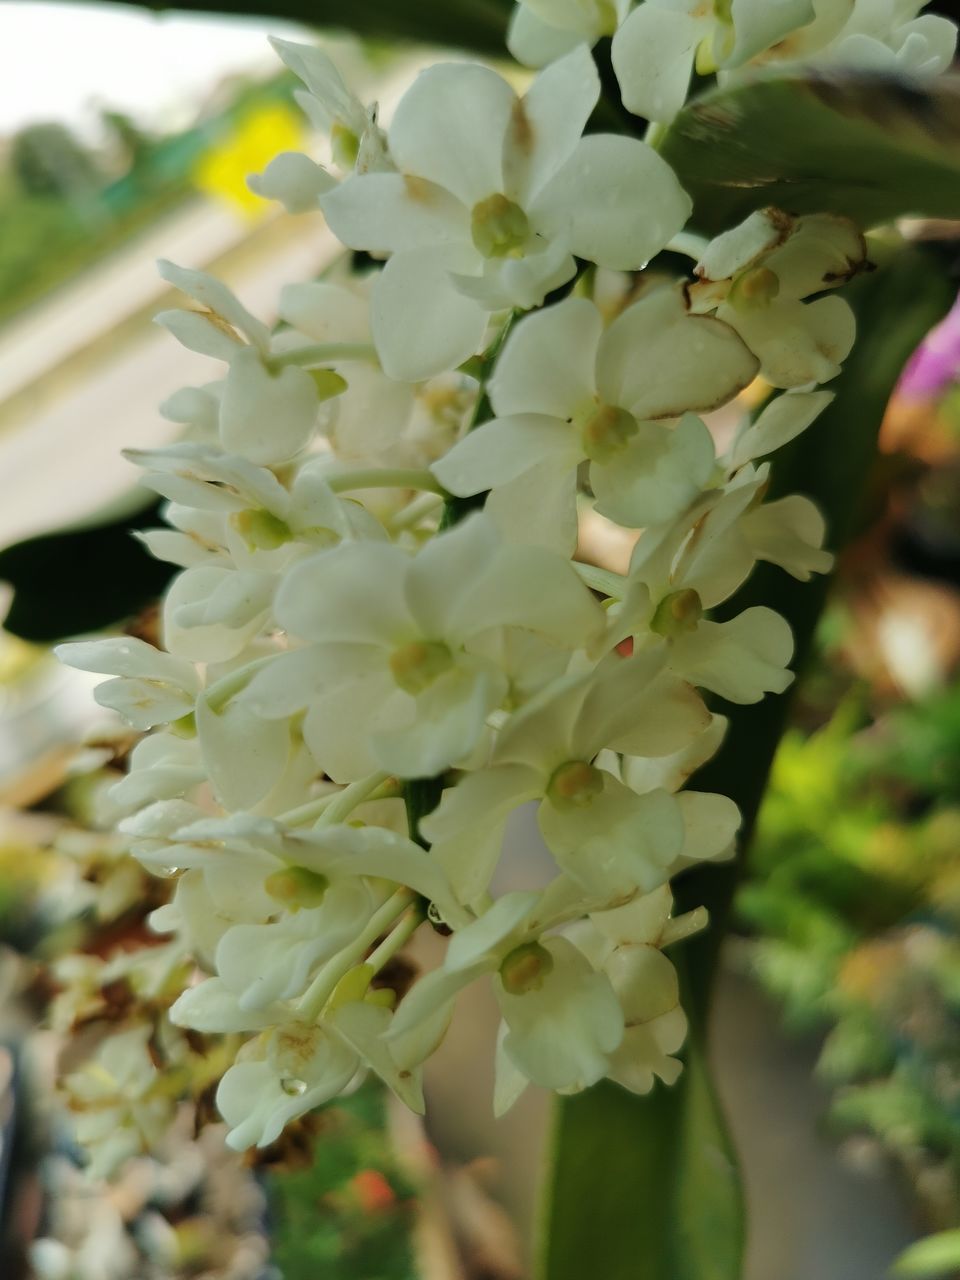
(363, 674)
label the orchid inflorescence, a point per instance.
(379, 644)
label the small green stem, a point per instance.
(395, 940)
(322, 987)
(414, 512)
(690, 245)
(345, 801)
(604, 580)
(313, 809)
(386, 478)
(323, 353)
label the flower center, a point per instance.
(297, 887)
(416, 665)
(677, 613)
(261, 530)
(574, 785)
(605, 431)
(345, 145)
(525, 968)
(499, 228)
(754, 289)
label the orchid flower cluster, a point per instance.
(380, 644)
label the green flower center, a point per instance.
(297, 886)
(525, 968)
(574, 785)
(345, 145)
(605, 431)
(499, 228)
(261, 529)
(754, 289)
(677, 613)
(416, 665)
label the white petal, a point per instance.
(653, 55)
(741, 660)
(539, 507)
(197, 332)
(184, 630)
(449, 128)
(390, 212)
(295, 180)
(618, 843)
(361, 1026)
(422, 324)
(614, 202)
(326, 312)
(780, 422)
(789, 533)
(657, 475)
(506, 449)
(732, 251)
(445, 570)
(560, 1035)
(339, 724)
(210, 1006)
(447, 723)
(482, 941)
(796, 342)
(351, 594)
(758, 24)
(245, 756)
(263, 416)
(547, 363)
(216, 297)
(535, 43)
(546, 125)
(710, 825)
(657, 361)
(466, 829)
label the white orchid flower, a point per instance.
(565, 390)
(494, 197)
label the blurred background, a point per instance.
(125, 137)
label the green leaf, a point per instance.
(937, 1255)
(463, 24)
(870, 146)
(644, 1188)
(85, 577)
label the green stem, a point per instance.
(345, 801)
(322, 988)
(385, 478)
(323, 353)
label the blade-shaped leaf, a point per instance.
(83, 578)
(645, 1188)
(462, 24)
(870, 146)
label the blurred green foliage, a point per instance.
(854, 900)
(349, 1214)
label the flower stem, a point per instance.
(323, 353)
(398, 937)
(322, 987)
(313, 809)
(345, 801)
(386, 478)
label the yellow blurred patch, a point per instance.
(259, 136)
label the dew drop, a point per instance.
(293, 1087)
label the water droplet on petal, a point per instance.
(293, 1087)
